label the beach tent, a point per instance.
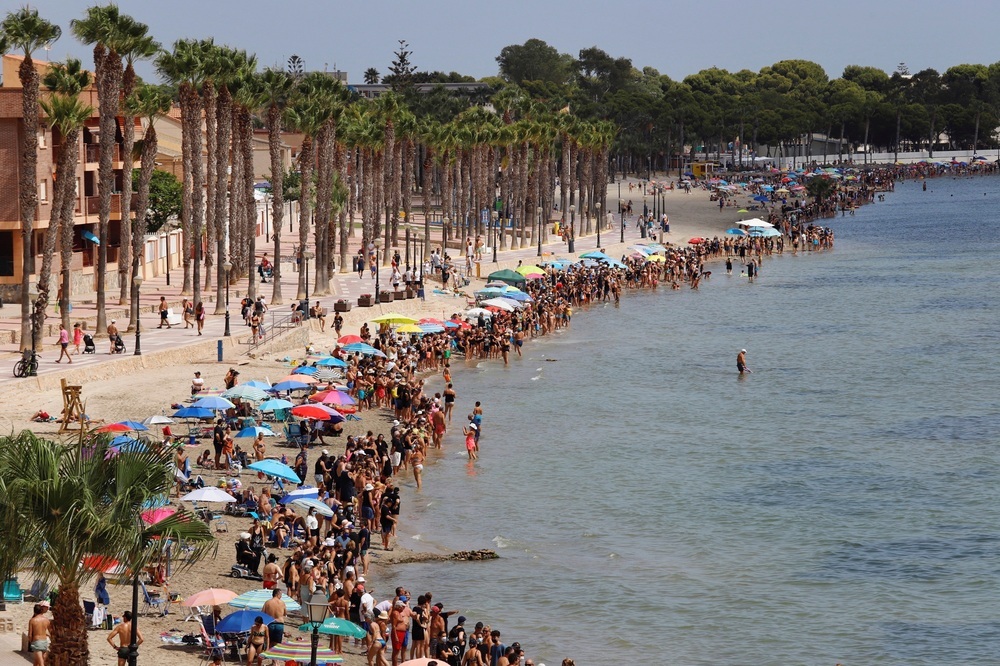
(508, 276)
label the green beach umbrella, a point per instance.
(336, 626)
(508, 276)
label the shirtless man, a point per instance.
(112, 334)
(399, 620)
(439, 427)
(741, 362)
(38, 634)
(124, 633)
(275, 607)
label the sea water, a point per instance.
(841, 503)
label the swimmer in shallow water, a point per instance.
(741, 362)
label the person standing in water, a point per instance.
(741, 362)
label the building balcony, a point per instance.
(94, 205)
(93, 152)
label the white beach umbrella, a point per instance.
(208, 494)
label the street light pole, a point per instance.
(598, 207)
(621, 216)
(378, 246)
(137, 280)
(317, 606)
(228, 267)
(495, 216)
(306, 256)
(572, 227)
(539, 216)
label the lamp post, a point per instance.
(418, 264)
(444, 238)
(306, 256)
(572, 225)
(378, 246)
(539, 211)
(598, 207)
(228, 267)
(408, 249)
(137, 281)
(318, 605)
(495, 216)
(621, 216)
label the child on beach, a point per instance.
(77, 337)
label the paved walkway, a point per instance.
(343, 285)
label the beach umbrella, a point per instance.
(241, 621)
(328, 374)
(311, 412)
(331, 362)
(475, 312)
(336, 398)
(193, 413)
(502, 303)
(336, 626)
(393, 318)
(158, 419)
(508, 276)
(214, 402)
(520, 296)
(290, 385)
(154, 516)
(696, 240)
(99, 563)
(736, 232)
(349, 339)
(489, 292)
(213, 596)
(313, 503)
(410, 328)
(755, 222)
(530, 269)
(115, 427)
(497, 283)
(433, 328)
(253, 431)
(279, 470)
(364, 349)
(656, 258)
(254, 600)
(128, 445)
(275, 403)
(761, 198)
(246, 392)
(259, 383)
(133, 425)
(302, 653)
(304, 379)
(304, 370)
(208, 494)
(306, 492)
(455, 324)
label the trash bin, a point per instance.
(192, 439)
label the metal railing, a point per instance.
(279, 324)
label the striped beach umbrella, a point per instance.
(302, 653)
(255, 600)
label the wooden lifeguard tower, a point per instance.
(72, 407)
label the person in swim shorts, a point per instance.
(38, 634)
(741, 362)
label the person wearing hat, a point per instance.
(376, 638)
(741, 362)
(470, 439)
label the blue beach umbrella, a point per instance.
(331, 362)
(193, 413)
(307, 492)
(214, 402)
(245, 392)
(364, 349)
(736, 232)
(259, 383)
(241, 621)
(761, 198)
(254, 600)
(275, 403)
(304, 370)
(289, 386)
(276, 469)
(133, 425)
(253, 431)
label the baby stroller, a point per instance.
(119, 347)
(88, 344)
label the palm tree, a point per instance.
(183, 67)
(67, 113)
(136, 44)
(306, 115)
(277, 87)
(249, 95)
(60, 503)
(147, 102)
(27, 31)
(103, 27)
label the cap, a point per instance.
(743, 351)
(461, 619)
(474, 426)
(113, 321)
(369, 486)
(361, 579)
(325, 452)
(244, 535)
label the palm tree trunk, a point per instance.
(68, 628)
(125, 243)
(249, 202)
(224, 131)
(146, 167)
(343, 160)
(108, 90)
(235, 242)
(324, 174)
(27, 196)
(211, 99)
(306, 161)
(197, 178)
(277, 195)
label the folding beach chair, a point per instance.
(151, 602)
(12, 591)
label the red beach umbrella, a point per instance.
(349, 339)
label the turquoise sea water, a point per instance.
(839, 504)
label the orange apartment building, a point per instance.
(83, 265)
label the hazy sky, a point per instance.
(677, 38)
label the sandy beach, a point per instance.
(127, 393)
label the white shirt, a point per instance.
(312, 523)
(367, 603)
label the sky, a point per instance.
(676, 38)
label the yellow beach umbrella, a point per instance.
(530, 269)
(656, 257)
(394, 318)
(409, 328)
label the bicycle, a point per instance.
(28, 365)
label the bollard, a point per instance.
(220, 351)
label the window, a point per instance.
(43, 190)
(41, 139)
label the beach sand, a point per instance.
(138, 395)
